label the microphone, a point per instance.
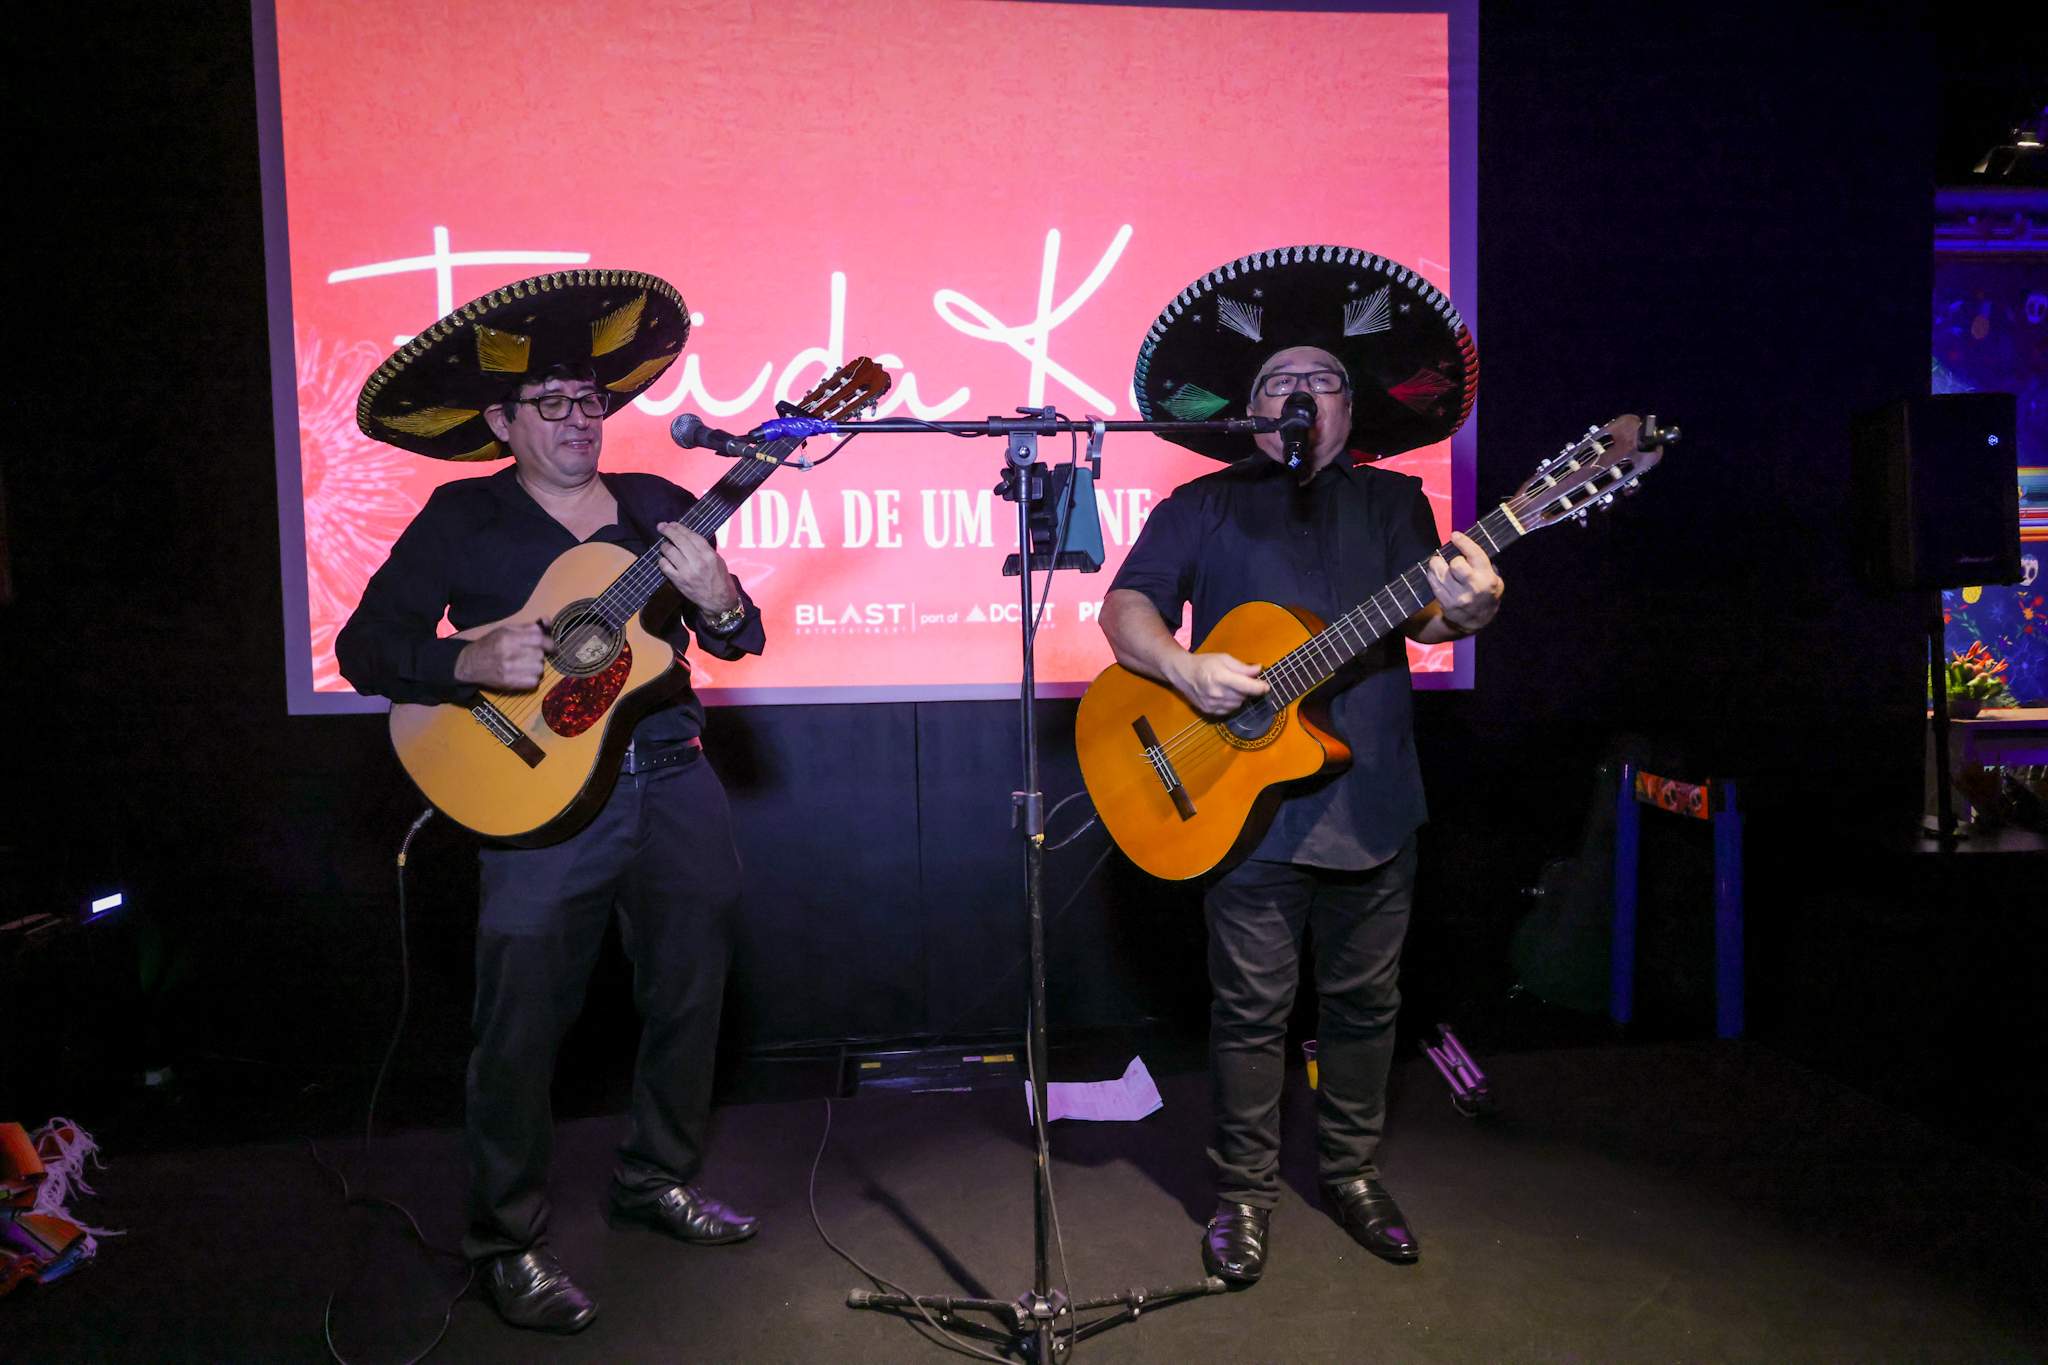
(688, 431)
(1297, 416)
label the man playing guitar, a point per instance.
(531, 371)
(1384, 364)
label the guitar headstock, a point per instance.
(1591, 472)
(857, 384)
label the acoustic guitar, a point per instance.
(531, 768)
(1182, 792)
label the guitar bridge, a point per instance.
(511, 736)
(1162, 766)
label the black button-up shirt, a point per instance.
(1251, 533)
(475, 552)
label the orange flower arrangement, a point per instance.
(1978, 675)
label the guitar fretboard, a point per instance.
(1350, 635)
(630, 591)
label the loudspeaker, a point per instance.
(1937, 491)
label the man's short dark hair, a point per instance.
(566, 373)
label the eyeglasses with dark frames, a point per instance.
(554, 407)
(1280, 383)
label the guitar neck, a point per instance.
(631, 590)
(1350, 635)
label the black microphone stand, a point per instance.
(1033, 1318)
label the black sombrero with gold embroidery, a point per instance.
(1414, 370)
(430, 395)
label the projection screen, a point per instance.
(993, 198)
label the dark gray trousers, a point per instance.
(661, 855)
(1257, 916)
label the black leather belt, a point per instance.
(640, 760)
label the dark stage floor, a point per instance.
(1672, 1203)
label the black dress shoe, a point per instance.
(530, 1289)
(1373, 1219)
(685, 1214)
(1234, 1243)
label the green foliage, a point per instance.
(1978, 675)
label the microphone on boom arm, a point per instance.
(688, 431)
(1297, 416)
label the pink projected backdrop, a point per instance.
(821, 180)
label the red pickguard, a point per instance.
(573, 705)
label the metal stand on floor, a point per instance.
(1042, 1323)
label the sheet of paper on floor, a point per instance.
(1124, 1100)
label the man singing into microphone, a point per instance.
(531, 371)
(1369, 360)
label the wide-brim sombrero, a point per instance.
(429, 397)
(1414, 369)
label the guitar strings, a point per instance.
(1302, 669)
(636, 582)
(829, 400)
(1291, 676)
(1290, 679)
(642, 578)
(1307, 666)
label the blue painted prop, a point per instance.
(791, 429)
(1627, 848)
(1727, 821)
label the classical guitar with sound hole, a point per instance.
(1182, 792)
(532, 767)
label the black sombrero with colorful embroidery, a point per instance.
(1414, 370)
(429, 397)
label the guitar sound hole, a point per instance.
(584, 644)
(1254, 727)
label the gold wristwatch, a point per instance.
(727, 621)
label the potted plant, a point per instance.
(1976, 679)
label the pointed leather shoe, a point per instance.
(1373, 1219)
(686, 1214)
(1234, 1243)
(530, 1289)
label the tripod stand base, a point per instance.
(1029, 1317)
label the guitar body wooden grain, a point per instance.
(1235, 790)
(477, 781)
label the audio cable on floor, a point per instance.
(349, 1198)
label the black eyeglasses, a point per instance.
(554, 407)
(1283, 382)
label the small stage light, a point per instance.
(102, 904)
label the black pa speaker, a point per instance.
(1937, 491)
